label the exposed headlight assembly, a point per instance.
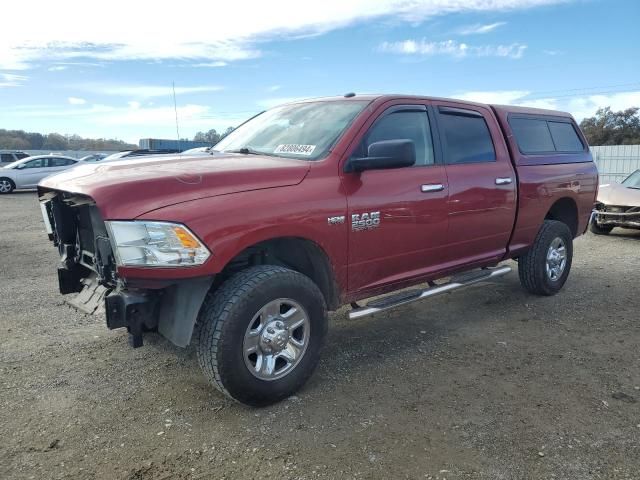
(155, 244)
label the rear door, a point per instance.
(398, 217)
(482, 183)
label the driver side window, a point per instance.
(402, 125)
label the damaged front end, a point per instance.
(88, 275)
(617, 215)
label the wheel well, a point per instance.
(565, 211)
(298, 254)
(7, 178)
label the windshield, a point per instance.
(300, 130)
(633, 180)
(17, 162)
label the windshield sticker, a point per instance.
(295, 149)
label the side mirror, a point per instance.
(21, 166)
(384, 155)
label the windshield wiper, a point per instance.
(250, 151)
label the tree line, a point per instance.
(607, 127)
(212, 136)
(21, 140)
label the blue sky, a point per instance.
(68, 71)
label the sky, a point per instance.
(73, 68)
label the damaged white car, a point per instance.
(618, 205)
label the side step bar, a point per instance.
(410, 296)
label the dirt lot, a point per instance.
(486, 383)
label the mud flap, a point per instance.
(91, 298)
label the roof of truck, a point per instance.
(383, 97)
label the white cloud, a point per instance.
(273, 88)
(498, 97)
(11, 80)
(208, 64)
(217, 32)
(76, 101)
(142, 121)
(57, 68)
(143, 91)
(478, 29)
(452, 48)
(580, 105)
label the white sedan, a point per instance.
(26, 173)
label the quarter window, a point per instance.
(466, 137)
(532, 135)
(6, 157)
(565, 137)
(539, 135)
(403, 125)
(60, 162)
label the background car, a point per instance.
(618, 205)
(26, 173)
(10, 156)
(136, 153)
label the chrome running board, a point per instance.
(405, 297)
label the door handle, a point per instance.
(432, 187)
(503, 180)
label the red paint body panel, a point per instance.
(234, 202)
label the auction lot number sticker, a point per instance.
(295, 149)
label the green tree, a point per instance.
(612, 128)
(55, 141)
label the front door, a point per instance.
(31, 172)
(397, 217)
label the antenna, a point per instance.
(175, 108)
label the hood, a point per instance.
(616, 194)
(126, 189)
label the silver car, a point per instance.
(26, 173)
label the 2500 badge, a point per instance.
(365, 221)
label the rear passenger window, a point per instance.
(60, 162)
(466, 137)
(565, 137)
(538, 135)
(533, 136)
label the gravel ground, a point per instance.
(484, 383)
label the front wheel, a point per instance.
(260, 334)
(6, 185)
(544, 269)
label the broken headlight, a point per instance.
(155, 244)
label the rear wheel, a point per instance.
(6, 185)
(544, 269)
(600, 229)
(260, 334)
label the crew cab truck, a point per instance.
(313, 205)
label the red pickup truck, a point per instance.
(313, 205)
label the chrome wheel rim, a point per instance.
(556, 259)
(276, 339)
(5, 186)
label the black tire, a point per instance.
(600, 229)
(225, 317)
(6, 181)
(532, 265)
